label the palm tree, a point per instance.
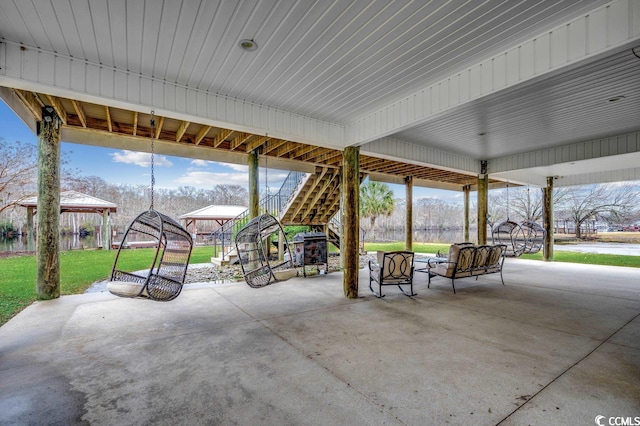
(376, 199)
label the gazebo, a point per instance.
(221, 214)
(75, 202)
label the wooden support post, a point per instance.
(30, 231)
(349, 243)
(254, 195)
(106, 230)
(547, 217)
(483, 197)
(467, 190)
(48, 236)
(281, 237)
(408, 236)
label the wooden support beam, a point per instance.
(240, 139)
(285, 149)
(57, 106)
(483, 197)
(275, 144)
(202, 133)
(408, 219)
(301, 150)
(256, 143)
(318, 153)
(48, 233)
(182, 128)
(77, 107)
(467, 206)
(159, 125)
(254, 195)
(135, 123)
(221, 137)
(109, 122)
(31, 102)
(547, 220)
(350, 240)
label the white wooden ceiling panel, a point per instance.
(221, 22)
(196, 47)
(273, 33)
(118, 33)
(83, 19)
(29, 13)
(295, 43)
(103, 29)
(166, 38)
(70, 43)
(188, 19)
(143, 20)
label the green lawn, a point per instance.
(80, 269)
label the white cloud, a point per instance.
(142, 159)
(209, 179)
(201, 163)
(236, 167)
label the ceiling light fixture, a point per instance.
(248, 45)
(615, 98)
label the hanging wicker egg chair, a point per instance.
(511, 235)
(258, 268)
(534, 235)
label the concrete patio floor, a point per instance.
(558, 344)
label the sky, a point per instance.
(133, 168)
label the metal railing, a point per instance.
(272, 204)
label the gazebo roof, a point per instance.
(215, 212)
(76, 202)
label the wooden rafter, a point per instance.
(77, 107)
(202, 133)
(256, 143)
(58, 108)
(220, 137)
(285, 149)
(275, 144)
(240, 139)
(301, 150)
(182, 128)
(312, 155)
(159, 127)
(109, 122)
(31, 102)
(135, 123)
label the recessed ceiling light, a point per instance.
(615, 98)
(248, 45)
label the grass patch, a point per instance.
(590, 258)
(78, 270)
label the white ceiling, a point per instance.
(339, 60)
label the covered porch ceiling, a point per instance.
(426, 89)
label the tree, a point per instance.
(376, 199)
(599, 202)
(18, 172)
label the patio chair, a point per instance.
(392, 268)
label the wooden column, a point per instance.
(48, 236)
(408, 237)
(483, 197)
(351, 220)
(281, 238)
(254, 194)
(106, 230)
(30, 231)
(467, 190)
(547, 218)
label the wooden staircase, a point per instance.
(316, 200)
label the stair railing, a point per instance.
(272, 203)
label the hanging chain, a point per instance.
(153, 138)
